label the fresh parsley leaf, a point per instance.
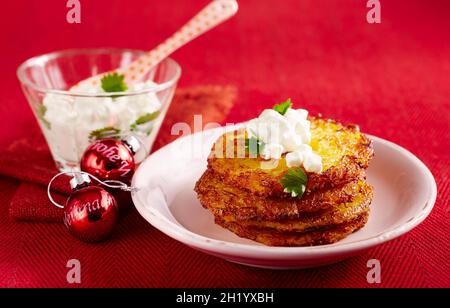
(281, 108)
(294, 182)
(144, 119)
(254, 146)
(147, 118)
(104, 132)
(40, 113)
(114, 83)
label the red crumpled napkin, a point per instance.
(29, 160)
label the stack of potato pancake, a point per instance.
(247, 198)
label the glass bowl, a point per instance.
(70, 121)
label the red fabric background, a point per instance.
(391, 78)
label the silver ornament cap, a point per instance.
(79, 179)
(133, 143)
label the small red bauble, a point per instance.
(109, 159)
(91, 213)
(112, 159)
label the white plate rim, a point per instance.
(203, 243)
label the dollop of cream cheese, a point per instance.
(289, 133)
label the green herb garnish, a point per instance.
(144, 119)
(104, 132)
(281, 108)
(254, 146)
(40, 113)
(294, 182)
(114, 82)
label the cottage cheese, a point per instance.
(68, 120)
(289, 133)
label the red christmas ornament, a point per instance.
(112, 159)
(91, 213)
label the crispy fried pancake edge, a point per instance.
(339, 214)
(312, 238)
(214, 193)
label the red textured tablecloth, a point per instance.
(392, 78)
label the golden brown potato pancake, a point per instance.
(345, 154)
(341, 213)
(249, 200)
(311, 238)
(215, 193)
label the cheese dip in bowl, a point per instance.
(71, 119)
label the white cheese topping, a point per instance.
(289, 133)
(272, 150)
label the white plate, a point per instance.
(405, 192)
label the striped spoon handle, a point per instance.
(209, 17)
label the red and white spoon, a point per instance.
(210, 16)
